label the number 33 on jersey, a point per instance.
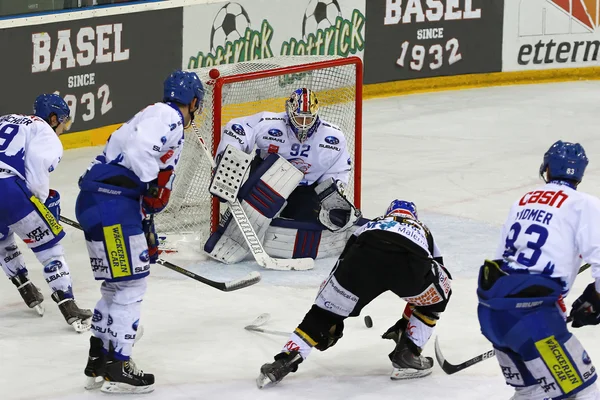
(548, 229)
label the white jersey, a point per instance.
(320, 157)
(29, 149)
(550, 230)
(411, 229)
(149, 142)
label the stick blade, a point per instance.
(260, 320)
(251, 279)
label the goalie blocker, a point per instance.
(321, 215)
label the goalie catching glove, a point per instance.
(337, 212)
(157, 196)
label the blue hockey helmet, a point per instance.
(47, 104)
(565, 160)
(402, 208)
(302, 109)
(182, 87)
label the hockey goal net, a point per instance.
(248, 88)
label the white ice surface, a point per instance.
(462, 156)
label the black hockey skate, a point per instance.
(408, 362)
(31, 295)
(94, 370)
(273, 373)
(124, 377)
(79, 319)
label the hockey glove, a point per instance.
(151, 239)
(330, 338)
(159, 191)
(53, 203)
(336, 213)
(586, 309)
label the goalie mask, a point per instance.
(302, 110)
(402, 208)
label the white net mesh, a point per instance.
(190, 208)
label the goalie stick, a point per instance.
(228, 286)
(254, 244)
(261, 320)
(454, 368)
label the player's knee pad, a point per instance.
(262, 197)
(56, 270)
(128, 292)
(320, 328)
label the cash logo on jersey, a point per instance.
(237, 35)
(552, 32)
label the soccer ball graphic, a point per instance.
(229, 24)
(320, 14)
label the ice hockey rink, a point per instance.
(462, 156)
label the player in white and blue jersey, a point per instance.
(549, 230)
(123, 187)
(29, 151)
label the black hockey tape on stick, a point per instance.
(454, 368)
(229, 286)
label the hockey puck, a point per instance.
(368, 321)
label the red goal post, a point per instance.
(236, 90)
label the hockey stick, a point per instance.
(454, 368)
(261, 320)
(229, 286)
(70, 222)
(254, 244)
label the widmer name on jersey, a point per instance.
(550, 197)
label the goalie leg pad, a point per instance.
(287, 238)
(262, 197)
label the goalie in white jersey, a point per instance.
(304, 204)
(29, 151)
(131, 179)
(548, 232)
